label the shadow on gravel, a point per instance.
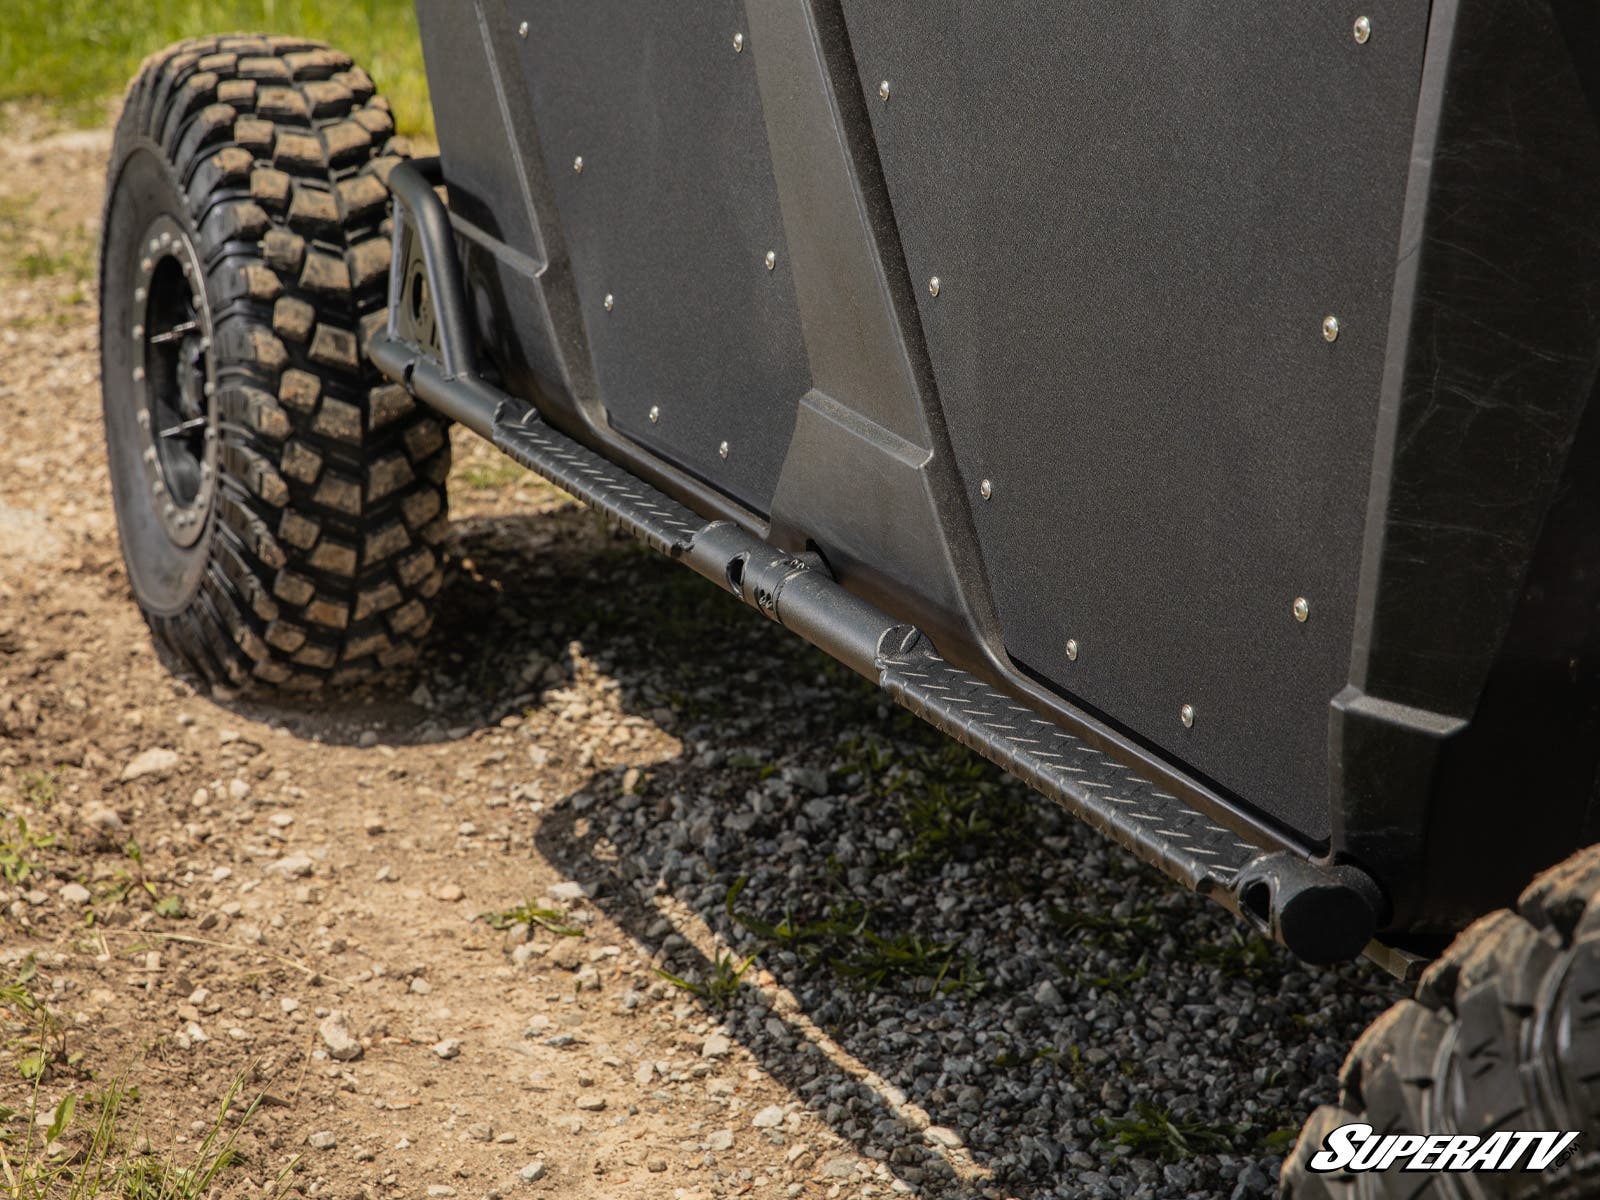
(959, 953)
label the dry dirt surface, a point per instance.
(773, 939)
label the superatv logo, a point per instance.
(1354, 1147)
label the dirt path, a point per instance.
(971, 996)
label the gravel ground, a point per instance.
(751, 931)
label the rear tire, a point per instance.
(280, 505)
(1504, 1034)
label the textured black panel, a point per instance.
(1139, 214)
(673, 214)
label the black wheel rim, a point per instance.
(173, 379)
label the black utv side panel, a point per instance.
(1234, 308)
(1139, 215)
(654, 145)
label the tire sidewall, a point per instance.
(165, 577)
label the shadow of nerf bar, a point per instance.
(1324, 912)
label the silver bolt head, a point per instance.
(655, 414)
(610, 302)
(883, 89)
(146, 265)
(138, 331)
(1186, 715)
(1301, 609)
(722, 450)
(1361, 31)
(577, 165)
(138, 295)
(522, 30)
(771, 259)
(986, 489)
(933, 286)
(1330, 328)
(1072, 649)
(138, 374)
(738, 43)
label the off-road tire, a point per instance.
(1504, 1034)
(320, 553)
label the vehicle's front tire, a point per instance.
(1504, 1034)
(280, 505)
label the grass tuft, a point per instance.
(530, 914)
(721, 988)
(1155, 1133)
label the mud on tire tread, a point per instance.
(1504, 1033)
(324, 551)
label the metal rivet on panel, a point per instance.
(138, 331)
(1072, 649)
(933, 286)
(655, 413)
(738, 42)
(1186, 715)
(138, 374)
(610, 301)
(1362, 30)
(883, 90)
(1330, 328)
(522, 30)
(771, 259)
(577, 165)
(986, 489)
(722, 450)
(1301, 608)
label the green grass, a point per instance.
(1156, 1133)
(721, 987)
(19, 850)
(74, 55)
(843, 939)
(531, 914)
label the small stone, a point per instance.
(568, 890)
(374, 824)
(721, 1140)
(656, 1164)
(448, 892)
(448, 1048)
(238, 789)
(288, 1005)
(717, 1045)
(533, 1172)
(592, 1103)
(441, 1189)
(155, 761)
(342, 1044)
(769, 1117)
(630, 780)
(75, 894)
(290, 866)
(940, 1135)
(481, 1132)
(1047, 996)
(322, 1140)
(421, 986)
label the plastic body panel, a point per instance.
(1139, 223)
(878, 474)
